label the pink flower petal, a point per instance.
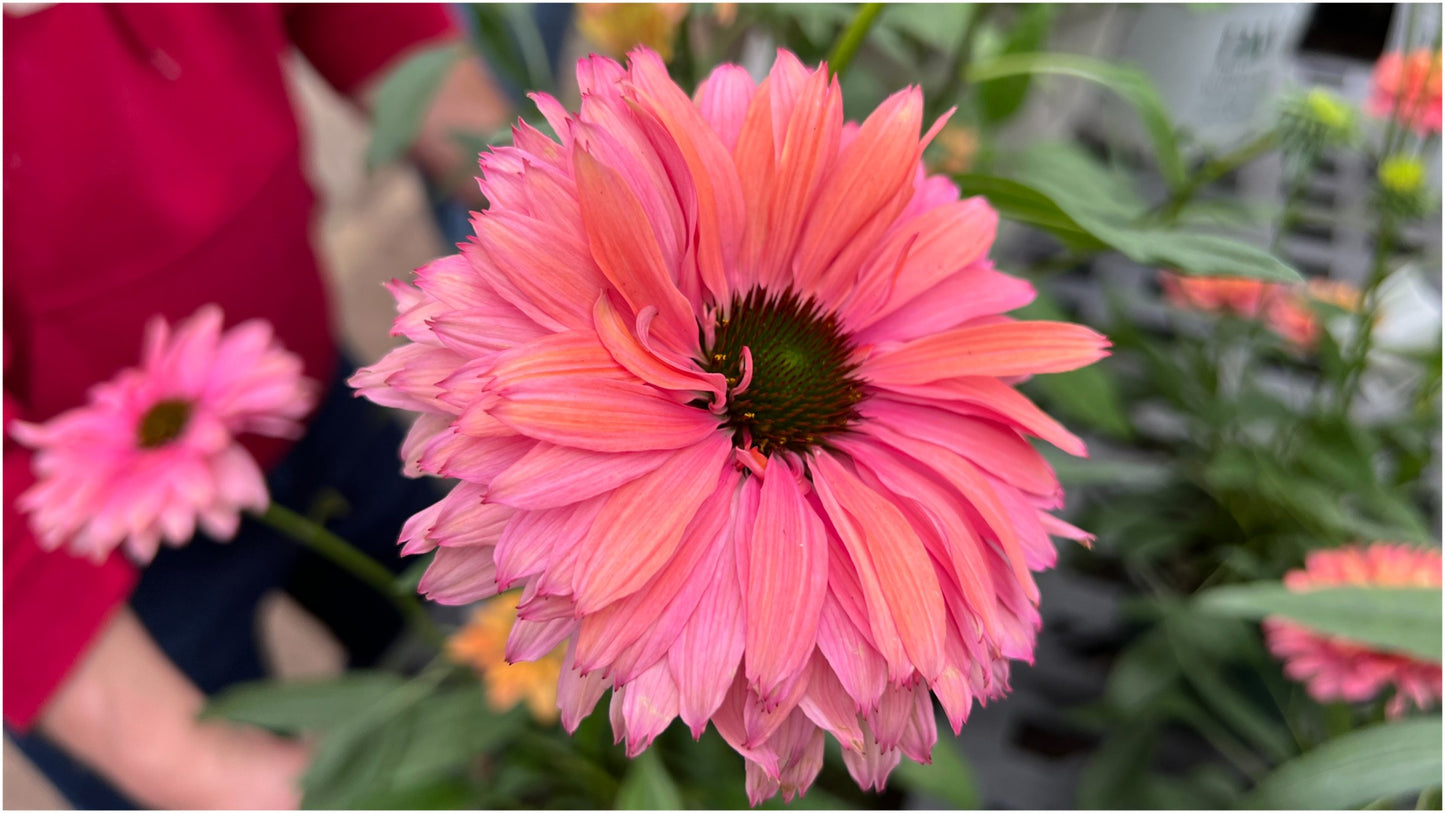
(636, 533)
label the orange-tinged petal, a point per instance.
(868, 174)
(991, 398)
(972, 485)
(994, 448)
(954, 543)
(550, 476)
(602, 415)
(809, 144)
(658, 612)
(636, 533)
(880, 539)
(632, 354)
(626, 249)
(999, 349)
(787, 576)
(719, 197)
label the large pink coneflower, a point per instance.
(729, 391)
(1334, 668)
(154, 453)
(1407, 85)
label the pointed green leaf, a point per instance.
(402, 100)
(1400, 619)
(648, 786)
(1382, 761)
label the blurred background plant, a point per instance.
(1257, 232)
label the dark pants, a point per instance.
(199, 602)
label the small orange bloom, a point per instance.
(616, 28)
(1407, 85)
(482, 645)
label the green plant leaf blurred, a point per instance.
(948, 780)
(1001, 98)
(1380, 762)
(1403, 619)
(1088, 207)
(648, 785)
(302, 705)
(402, 100)
(1129, 83)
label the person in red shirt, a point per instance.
(153, 165)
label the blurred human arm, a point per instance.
(129, 714)
(468, 101)
(356, 45)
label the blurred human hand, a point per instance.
(127, 712)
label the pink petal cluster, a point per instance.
(1241, 296)
(153, 453)
(1287, 310)
(1407, 85)
(698, 561)
(1334, 668)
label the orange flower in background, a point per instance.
(1407, 85)
(511, 674)
(1333, 668)
(1291, 312)
(615, 28)
(957, 146)
(1238, 295)
(1287, 310)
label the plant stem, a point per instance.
(1214, 169)
(852, 37)
(1358, 357)
(345, 556)
(958, 64)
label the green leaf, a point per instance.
(302, 705)
(648, 786)
(1130, 83)
(1382, 761)
(949, 779)
(1400, 619)
(1000, 99)
(1203, 255)
(1066, 192)
(450, 729)
(402, 100)
(1024, 204)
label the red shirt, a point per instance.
(152, 165)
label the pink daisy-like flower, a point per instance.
(1238, 295)
(154, 453)
(1333, 668)
(728, 388)
(1407, 85)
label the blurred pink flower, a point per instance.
(1407, 85)
(727, 385)
(1334, 668)
(1238, 295)
(1287, 310)
(1290, 312)
(153, 453)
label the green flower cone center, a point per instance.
(163, 423)
(802, 389)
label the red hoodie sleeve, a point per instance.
(349, 43)
(54, 602)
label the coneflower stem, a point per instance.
(345, 556)
(852, 37)
(1214, 169)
